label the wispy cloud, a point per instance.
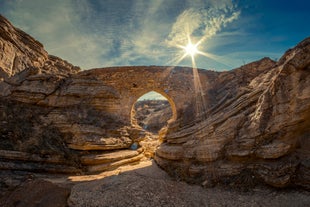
(202, 23)
(57, 25)
(92, 33)
(143, 43)
(96, 33)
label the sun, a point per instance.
(191, 49)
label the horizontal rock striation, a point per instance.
(51, 115)
(256, 126)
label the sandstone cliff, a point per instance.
(20, 51)
(254, 128)
(247, 125)
(51, 116)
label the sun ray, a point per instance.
(191, 50)
(218, 59)
(177, 59)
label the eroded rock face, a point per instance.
(251, 122)
(152, 115)
(258, 125)
(20, 51)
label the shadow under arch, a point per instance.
(169, 99)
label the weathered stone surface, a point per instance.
(94, 159)
(23, 156)
(113, 165)
(207, 153)
(277, 174)
(258, 112)
(98, 143)
(170, 152)
(5, 89)
(20, 51)
(152, 115)
(273, 150)
(36, 162)
(37, 193)
(39, 167)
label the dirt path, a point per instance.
(144, 184)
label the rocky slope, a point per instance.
(248, 125)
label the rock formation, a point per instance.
(255, 127)
(152, 115)
(248, 124)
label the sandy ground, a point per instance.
(144, 184)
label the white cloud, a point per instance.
(144, 43)
(93, 36)
(58, 25)
(202, 23)
(186, 24)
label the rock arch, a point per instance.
(101, 100)
(130, 83)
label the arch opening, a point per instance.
(153, 111)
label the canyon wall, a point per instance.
(257, 128)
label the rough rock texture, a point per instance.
(51, 115)
(250, 124)
(20, 51)
(255, 125)
(152, 115)
(34, 193)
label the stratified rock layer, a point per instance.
(248, 124)
(255, 125)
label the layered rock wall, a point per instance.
(257, 129)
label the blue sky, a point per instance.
(93, 33)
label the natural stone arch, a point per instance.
(109, 95)
(168, 98)
(130, 83)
